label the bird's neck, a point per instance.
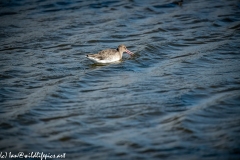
(120, 51)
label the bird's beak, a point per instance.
(129, 52)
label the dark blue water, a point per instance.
(177, 98)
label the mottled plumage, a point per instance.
(109, 55)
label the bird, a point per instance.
(109, 55)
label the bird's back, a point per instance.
(105, 56)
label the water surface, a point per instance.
(177, 98)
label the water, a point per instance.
(177, 98)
